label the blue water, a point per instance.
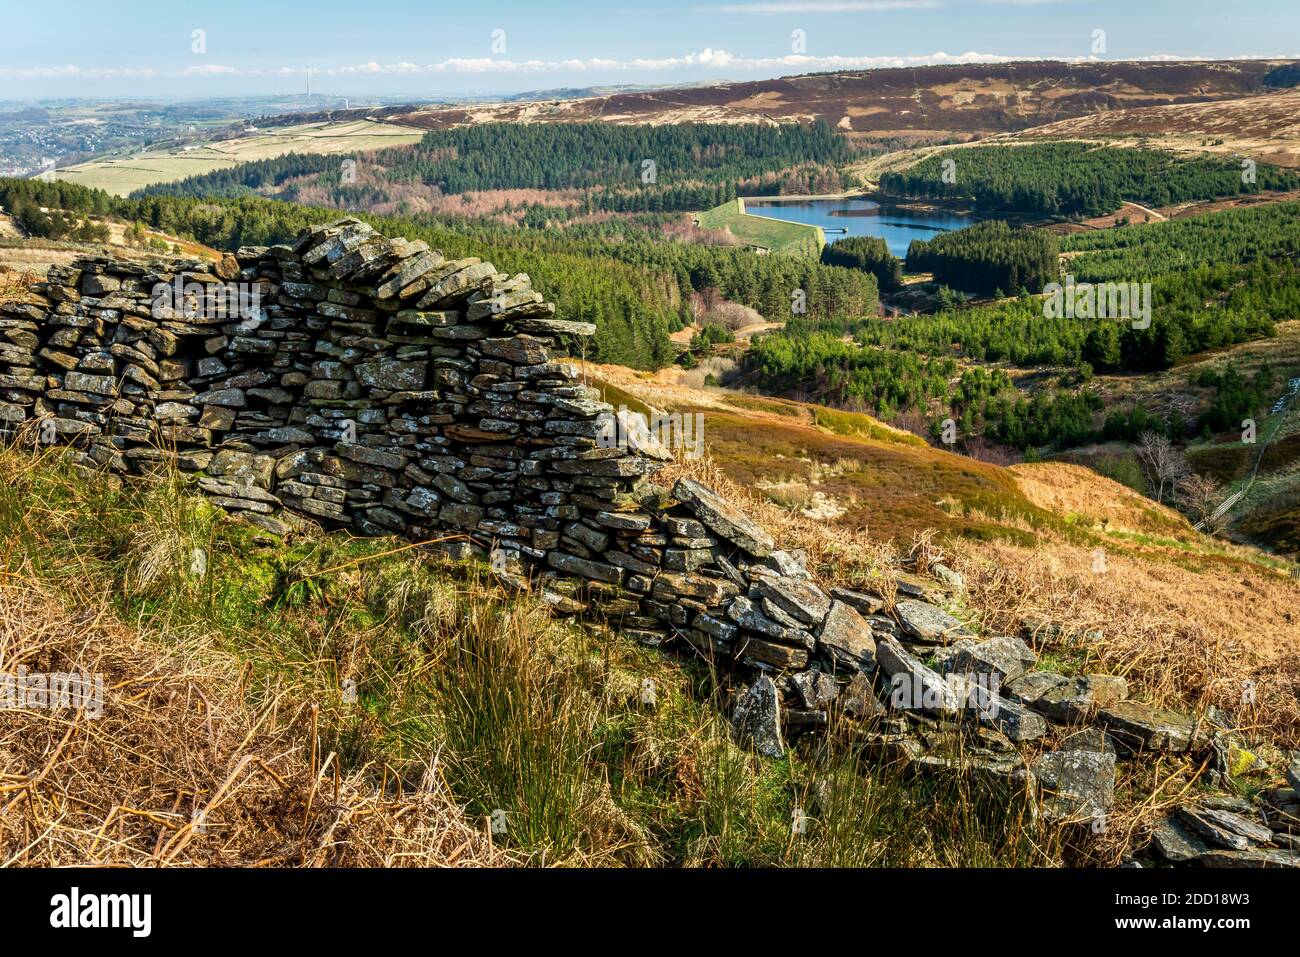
(862, 217)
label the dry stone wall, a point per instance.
(370, 383)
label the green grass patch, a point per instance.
(795, 239)
(519, 712)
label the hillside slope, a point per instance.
(123, 175)
(1265, 127)
(1029, 539)
(977, 97)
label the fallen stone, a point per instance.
(1176, 843)
(847, 638)
(1006, 657)
(913, 686)
(1012, 718)
(1088, 739)
(723, 518)
(1030, 687)
(1079, 698)
(815, 689)
(859, 699)
(786, 565)
(757, 651)
(798, 598)
(744, 613)
(1076, 785)
(756, 720)
(1234, 823)
(1142, 727)
(862, 602)
(1259, 857)
(1208, 827)
(928, 623)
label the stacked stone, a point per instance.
(20, 381)
(377, 385)
(382, 387)
(108, 376)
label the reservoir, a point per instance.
(896, 225)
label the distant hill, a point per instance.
(1000, 97)
(1265, 127)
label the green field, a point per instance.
(770, 234)
(123, 175)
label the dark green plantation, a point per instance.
(636, 289)
(621, 168)
(992, 258)
(1217, 281)
(1076, 179)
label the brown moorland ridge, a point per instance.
(1002, 97)
(1266, 126)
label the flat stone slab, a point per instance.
(1013, 719)
(1030, 687)
(1006, 657)
(1293, 773)
(913, 686)
(756, 720)
(1224, 828)
(1089, 739)
(797, 597)
(1143, 727)
(723, 518)
(929, 623)
(1259, 857)
(1076, 784)
(1079, 698)
(1176, 843)
(847, 638)
(864, 602)
(783, 563)
(744, 613)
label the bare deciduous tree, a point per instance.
(1198, 497)
(1163, 464)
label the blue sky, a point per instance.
(98, 48)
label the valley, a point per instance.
(982, 366)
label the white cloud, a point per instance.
(210, 69)
(711, 60)
(70, 70)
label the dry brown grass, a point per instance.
(179, 771)
(1188, 630)
(14, 282)
(1077, 490)
(1185, 635)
